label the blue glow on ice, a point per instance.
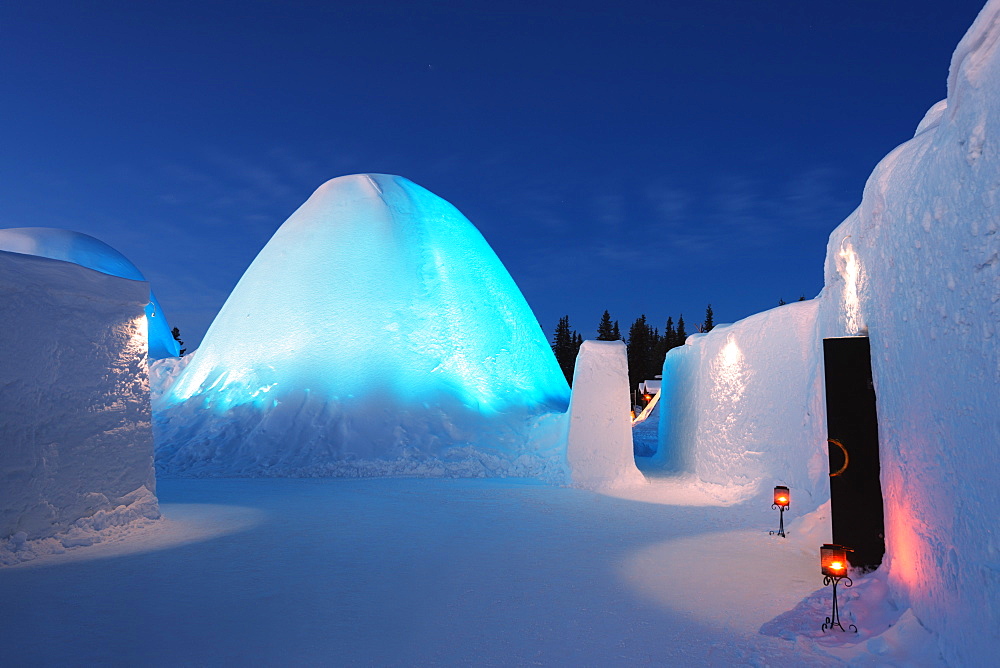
(375, 289)
(92, 253)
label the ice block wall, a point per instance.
(599, 445)
(918, 267)
(74, 397)
(743, 406)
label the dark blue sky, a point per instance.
(641, 157)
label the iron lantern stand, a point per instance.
(834, 618)
(782, 501)
(781, 519)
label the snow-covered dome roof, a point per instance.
(384, 316)
(86, 251)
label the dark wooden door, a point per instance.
(852, 427)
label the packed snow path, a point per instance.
(418, 572)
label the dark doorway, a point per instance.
(852, 427)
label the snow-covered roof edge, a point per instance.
(973, 52)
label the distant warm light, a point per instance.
(837, 566)
(650, 405)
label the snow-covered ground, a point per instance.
(443, 572)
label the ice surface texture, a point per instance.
(94, 254)
(74, 397)
(376, 333)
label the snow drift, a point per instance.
(917, 268)
(77, 449)
(92, 253)
(376, 333)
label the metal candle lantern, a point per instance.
(782, 499)
(833, 561)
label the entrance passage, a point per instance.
(852, 429)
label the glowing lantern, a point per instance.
(833, 559)
(781, 500)
(647, 397)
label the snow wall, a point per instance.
(599, 444)
(375, 334)
(917, 268)
(76, 446)
(927, 276)
(94, 254)
(743, 405)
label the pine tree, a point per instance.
(606, 330)
(643, 352)
(565, 346)
(669, 335)
(681, 332)
(575, 352)
(177, 337)
(617, 333)
(663, 344)
(661, 348)
(781, 301)
(709, 322)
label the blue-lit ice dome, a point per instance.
(92, 253)
(375, 334)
